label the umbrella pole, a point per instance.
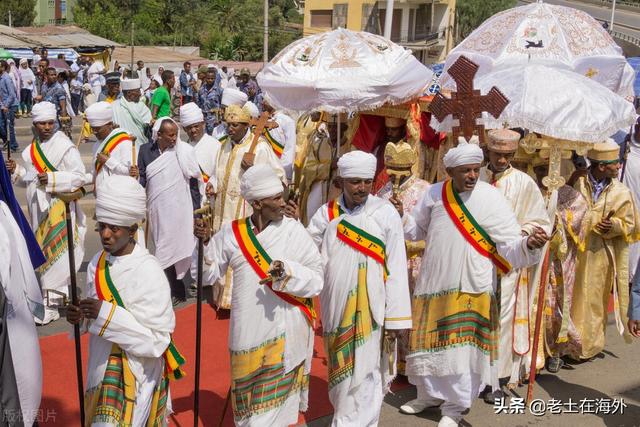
(339, 137)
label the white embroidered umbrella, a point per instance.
(554, 102)
(343, 71)
(556, 36)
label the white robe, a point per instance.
(632, 180)
(285, 134)
(206, 151)
(229, 204)
(132, 116)
(170, 206)
(119, 162)
(357, 398)
(70, 175)
(259, 316)
(526, 201)
(450, 263)
(142, 329)
(23, 302)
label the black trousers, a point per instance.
(177, 286)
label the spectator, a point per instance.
(53, 92)
(161, 101)
(8, 107)
(76, 91)
(27, 87)
(63, 79)
(187, 84)
(153, 85)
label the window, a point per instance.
(321, 18)
(339, 17)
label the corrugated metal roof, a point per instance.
(51, 36)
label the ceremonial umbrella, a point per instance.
(343, 71)
(554, 102)
(556, 36)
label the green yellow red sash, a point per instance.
(39, 160)
(363, 242)
(275, 145)
(470, 229)
(260, 261)
(107, 291)
(110, 144)
(333, 209)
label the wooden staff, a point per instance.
(206, 214)
(67, 198)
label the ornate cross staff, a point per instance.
(467, 104)
(259, 125)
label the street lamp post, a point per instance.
(613, 14)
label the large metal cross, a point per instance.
(467, 104)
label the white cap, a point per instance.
(121, 201)
(233, 97)
(357, 164)
(130, 84)
(252, 108)
(43, 112)
(259, 182)
(99, 114)
(465, 153)
(190, 113)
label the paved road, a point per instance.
(626, 21)
(614, 376)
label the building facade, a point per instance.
(424, 26)
(55, 12)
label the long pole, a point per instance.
(265, 46)
(10, 20)
(388, 19)
(132, 47)
(196, 396)
(613, 14)
(74, 299)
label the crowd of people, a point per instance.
(440, 274)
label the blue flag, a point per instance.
(7, 196)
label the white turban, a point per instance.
(357, 164)
(44, 112)
(130, 84)
(158, 124)
(259, 182)
(252, 108)
(99, 114)
(233, 97)
(121, 201)
(190, 113)
(466, 153)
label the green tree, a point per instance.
(23, 12)
(471, 13)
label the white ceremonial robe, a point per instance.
(206, 151)
(23, 302)
(69, 176)
(229, 204)
(119, 160)
(632, 180)
(220, 131)
(260, 318)
(285, 134)
(132, 116)
(456, 372)
(357, 395)
(525, 198)
(142, 329)
(170, 207)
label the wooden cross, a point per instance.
(259, 125)
(467, 104)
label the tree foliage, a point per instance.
(471, 13)
(23, 12)
(224, 29)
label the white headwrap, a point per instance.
(121, 201)
(357, 164)
(158, 124)
(43, 112)
(99, 114)
(190, 113)
(252, 108)
(259, 182)
(157, 79)
(130, 84)
(233, 97)
(466, 153)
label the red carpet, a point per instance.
(59, 398)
